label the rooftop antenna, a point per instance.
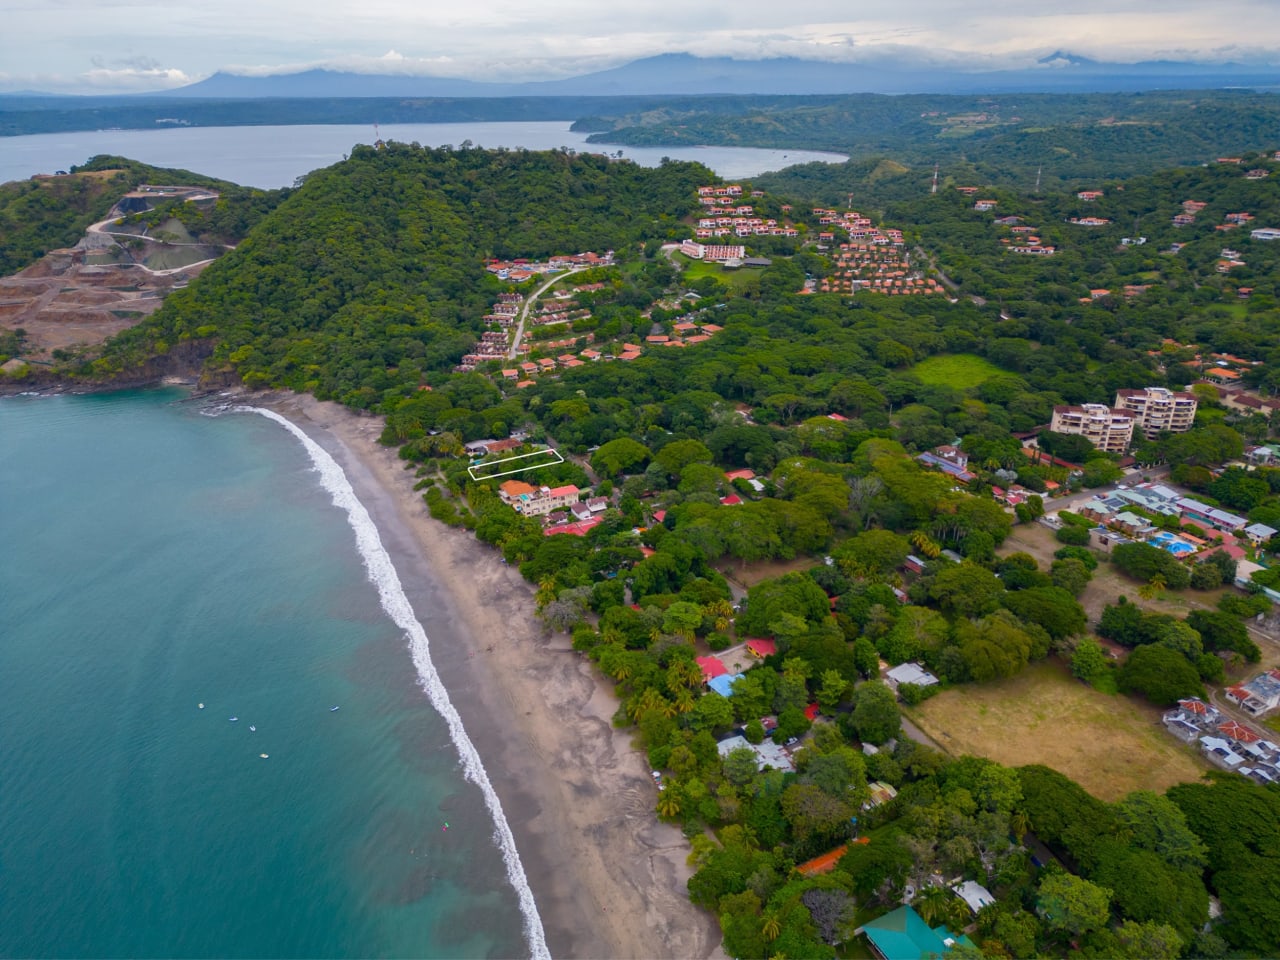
(934, 188)
(377, 137)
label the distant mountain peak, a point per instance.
(1061, 56)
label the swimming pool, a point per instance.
(1174, 544)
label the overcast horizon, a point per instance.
(120, 46)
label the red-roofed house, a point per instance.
(732, 500)
(743, 474)
(1238, 732)
(762, 647)
(578, 528)
(711, 668)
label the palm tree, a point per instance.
(684, 701)
(546, 592)
(922, 542)
(1019, 823)
(722, 612)
(650, 699)
(684, 673)
(770, 928)
(1153, 588)
(932, 903)
(668, 804)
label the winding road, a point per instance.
(524, 310)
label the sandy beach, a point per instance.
(609, 879)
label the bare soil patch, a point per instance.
(751, 574)
(1110, 745)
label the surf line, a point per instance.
(382, 574)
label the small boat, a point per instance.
(252, 727)
(200, 705)
(333, 709)
(263, 756)
(233, 719)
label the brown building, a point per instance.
(1107, 428)
(1157, 408)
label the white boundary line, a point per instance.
(506, 473)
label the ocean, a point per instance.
(158, 559)
(273, 156)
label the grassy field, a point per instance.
(959, 370)
(694, 269)
(1110, 745)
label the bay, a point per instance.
(273, 156)
(156, 559)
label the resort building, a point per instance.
(902, 934)
(712, 251)
(1107, 428)
(536, 501)
(1156, 409)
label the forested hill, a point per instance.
(373, 272)
(1007, 138)
(46, 213)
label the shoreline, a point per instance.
(608, 877)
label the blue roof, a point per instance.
(902, 934)
(723, 684)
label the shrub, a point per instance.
(1072, 535)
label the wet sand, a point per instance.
(609, 879)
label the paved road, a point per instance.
(100, 227)
(524, 311)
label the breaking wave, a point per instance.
(382, 574)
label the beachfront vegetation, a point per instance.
(791, 438)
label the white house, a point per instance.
(910, 673)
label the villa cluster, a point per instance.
(1228, 743)
(879, 268)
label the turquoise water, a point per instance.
(156, 559)
(1173, 543)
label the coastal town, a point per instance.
(1092, 483)
(862, 551)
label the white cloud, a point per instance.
(515, 39)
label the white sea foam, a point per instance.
(382, 574)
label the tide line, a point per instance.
(382, 574)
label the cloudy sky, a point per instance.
(126, 45)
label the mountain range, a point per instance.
(685, 74)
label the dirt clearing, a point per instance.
(1110, 745)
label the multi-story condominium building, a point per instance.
(1157, 408)
(1107, 428)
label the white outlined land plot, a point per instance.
(492, 469)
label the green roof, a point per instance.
(903, 935)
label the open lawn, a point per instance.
(959, 370)
(1110, 745)
(695, 269)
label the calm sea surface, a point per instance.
(274, 156)
(156, 559)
